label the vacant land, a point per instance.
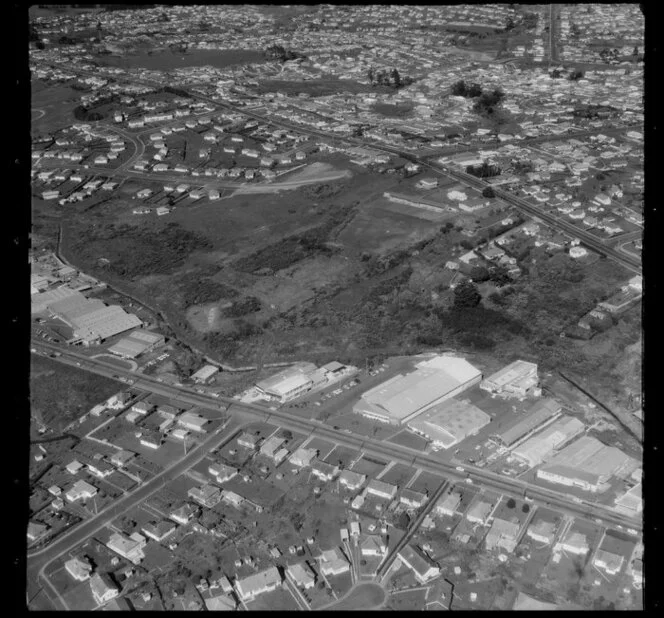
(363, 596)
(60, 394)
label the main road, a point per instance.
(402, 454)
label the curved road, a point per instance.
(357, 598)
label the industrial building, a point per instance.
(539, 414)
(403, 397)
(449, 422)
(91, 320)
(289, 383)
(515, 380)
(204, 374)
(587, 464)
(540, 447)
(136, 343)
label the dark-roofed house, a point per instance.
(159, 531)
(103, 588)
(419, 563)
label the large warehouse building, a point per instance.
(587, 464)
(91, 320)
(515, 380)
(449, 422)
(403, 397)
(137, 343)
(539, 414)
(540, 447)
(292, 382)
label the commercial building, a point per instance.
(91, 320)
(539, 414)
(204, 373)
(289, 383)
(41, 301)
(250, 587)
(449, 422)
(540, 447)
(503, 534)
(136, 343)
(587, 464)
(103, 589)
(419, 563)
(381, 489)
(403, 397)
(517, 379)
(129, 547)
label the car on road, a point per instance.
(459, 469)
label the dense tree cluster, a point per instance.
(461, 89)
(466, 295)
(575, 75)
(390, 79)
(487, 102)
(486, 170)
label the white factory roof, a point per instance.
(536, 449)
(513, 372)
(205, 372)
(44, 299)
(287, 379)
(403, 395)
(450, 421)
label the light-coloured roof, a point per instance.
(535, 416)
(511, 373)
(276, 382)
(538, 448)
(403, 395)
(205, 372)
(258, 581)
(450, 421)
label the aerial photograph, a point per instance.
(335, 307)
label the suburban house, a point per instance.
(302, 575)
(419, 563)
(103, 589)
(250, 587)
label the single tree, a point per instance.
(488, 192)
(466, 295)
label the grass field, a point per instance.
(363, 596)
(61, 394)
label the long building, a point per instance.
(516, 379)
(288, 383)
(587, 464)
(136, 343)
(535, 417)
(449, 422)
(403, 397)
(540, 447)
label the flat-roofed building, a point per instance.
(403, 397)
(204, 373)
(250, 587)
(449, 422)
(540, 447)
(352, 480)
(41, 301)
(535, 417)
(381, 489)
(516, 379)
(419, 563)
(587, 464)
(137, 343)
